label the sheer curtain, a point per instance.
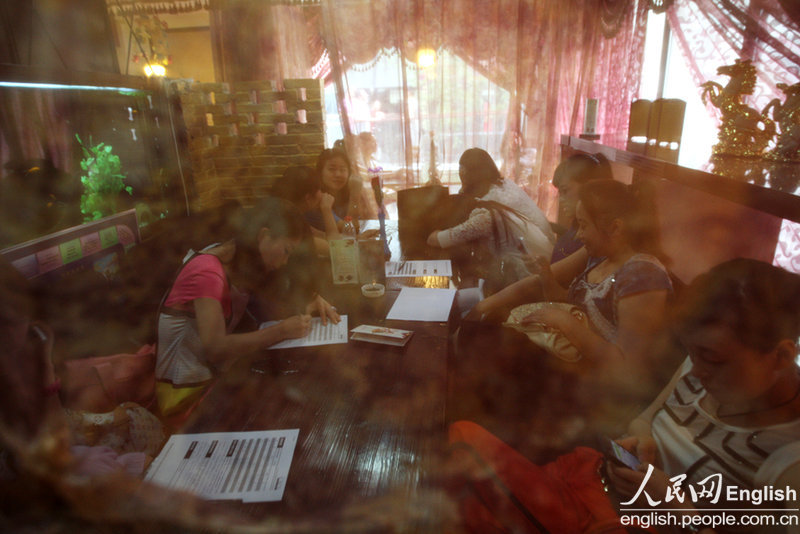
(547, 57)
(263, 40)
(712, 33)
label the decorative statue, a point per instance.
(743, 131)
(787, 115)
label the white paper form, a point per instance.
(246, 466)
(329, 334)
(419, 268)
(422, 304)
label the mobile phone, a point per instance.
(617, 454)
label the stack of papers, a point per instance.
(419, 268)
(418, 273)
(246, 466)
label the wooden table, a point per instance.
(371, 420)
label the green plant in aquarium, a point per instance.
(103, 181)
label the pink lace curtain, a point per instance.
(550, 56)
(712, 33)
(254, 40)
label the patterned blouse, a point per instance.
(532, 232)
(641, 273)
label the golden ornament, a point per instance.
(787, 116)
(743, 130)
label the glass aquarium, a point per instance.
(74, 152)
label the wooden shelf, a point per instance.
(778, 203)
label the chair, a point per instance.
(418, 211)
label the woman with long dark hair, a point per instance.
(302, 186)
(207, 300)
(334, 168)
(504, 216)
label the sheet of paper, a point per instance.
(419, 268)
(246, 466)
(422, 304)
(329, 334)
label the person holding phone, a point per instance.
(732, 411)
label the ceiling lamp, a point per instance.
(426, 57)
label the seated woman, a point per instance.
(302, 186)
(568, 178)
(208, 298)
(623, 289)
(335, 170)
(730, 414)
(505, 216)
(622, 286)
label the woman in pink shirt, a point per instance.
(196, 322)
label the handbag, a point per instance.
(545, 336)
(127, 428)
(100, 384)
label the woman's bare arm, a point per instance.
(219, 347)
(566, 269)
(328, 220)
(640, 321)
(321, 246)
(531, 288)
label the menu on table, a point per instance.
(246, 466)
(419, 268)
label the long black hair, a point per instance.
(606, 200)
(480, 172)
(297, 182)
(282, 219)
(581, 168)
(341, 198)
